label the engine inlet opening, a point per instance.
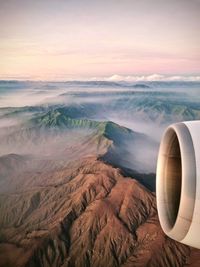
(173, 177)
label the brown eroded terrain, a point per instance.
(85, 215)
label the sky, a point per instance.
(90, 39)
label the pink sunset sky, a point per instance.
(82, 39)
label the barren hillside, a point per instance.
(85, 215)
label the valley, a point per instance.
(77, 173)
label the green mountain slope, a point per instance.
(59, 119)
(55, 135)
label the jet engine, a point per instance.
(178, 182)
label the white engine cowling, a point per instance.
(178, 182)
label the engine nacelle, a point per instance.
(178, 182)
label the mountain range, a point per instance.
(85, 214)
(77, 173)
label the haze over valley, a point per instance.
(77, 172)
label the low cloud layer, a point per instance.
(149, 78)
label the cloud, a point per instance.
(149, 78)
(113, 78)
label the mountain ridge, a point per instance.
(102, 219)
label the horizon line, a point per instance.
(114, 78)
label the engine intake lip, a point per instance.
(176, 181)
